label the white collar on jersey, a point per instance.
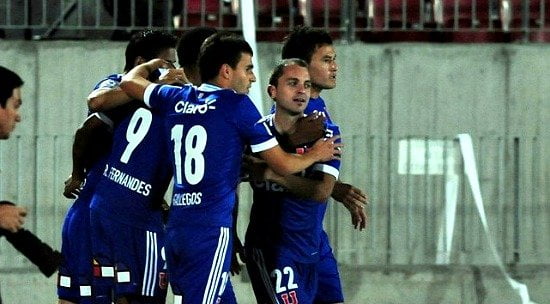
(208, 87)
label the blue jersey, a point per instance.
(137, 171)
(208, 128)
(279, 219)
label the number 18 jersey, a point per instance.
(208, 128)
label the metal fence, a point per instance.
(407, 180)
(369, 20)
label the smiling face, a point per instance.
(322, 69)
(9, 115)
(242, 76)
(293, 90)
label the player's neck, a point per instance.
(285, 123)
(315, 92)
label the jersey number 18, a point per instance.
(195, 143)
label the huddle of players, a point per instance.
(117, 219)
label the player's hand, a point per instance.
(254, 168)
(326, 149)
(12, 217)
(354, 200)
(172, 76)
(73, 185)
(308, 129)
(238, 252)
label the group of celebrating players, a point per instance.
(197, 127)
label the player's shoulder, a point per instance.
(268, 119)
(211, 94)
(108, 82)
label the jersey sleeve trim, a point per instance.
(327, 169)
(104, 118)
(148, 92)
(272, 142)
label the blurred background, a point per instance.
(412, 75)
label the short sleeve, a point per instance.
(252, 127)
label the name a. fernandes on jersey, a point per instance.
(185, 107)
(127, 180)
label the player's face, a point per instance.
(243, 76)
(293, 90)
(168, 55)
(9, 116)
(323, 68)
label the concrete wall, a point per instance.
(387, 95)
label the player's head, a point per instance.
(290, 86)
(188, 49)
(10, 101)
(316, 48)
(150, 44)
(226, 60)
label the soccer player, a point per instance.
(284, 234)
(315, 47)
(90, 151)
(208, 128)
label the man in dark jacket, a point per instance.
(12, 217)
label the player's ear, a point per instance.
(271, 91)
(226, 70)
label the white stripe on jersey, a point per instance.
(147, 93)
(266, 145)
(151, 259)
(326, 169)
(217, 266)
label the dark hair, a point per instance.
(303, 41)
(10, 81)
(277, 72)
(147, 44)
(221, 48)
(190, 43)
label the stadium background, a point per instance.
(400, 101)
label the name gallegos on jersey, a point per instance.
(126, 180)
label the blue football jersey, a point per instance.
(208, 128)
(290, 224)
(137, 171)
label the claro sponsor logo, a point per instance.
(185, 107)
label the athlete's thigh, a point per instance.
(260, 277)
(329, 288)
(139, 263)
(198, 260)
(294, 282)
(75, 272)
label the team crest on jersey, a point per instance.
(163, 280)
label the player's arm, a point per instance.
(91, 141)
(135, 82)
(354, 200)
(284, 163)
(106, 99)
(318, 189)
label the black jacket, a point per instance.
(38, 252)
